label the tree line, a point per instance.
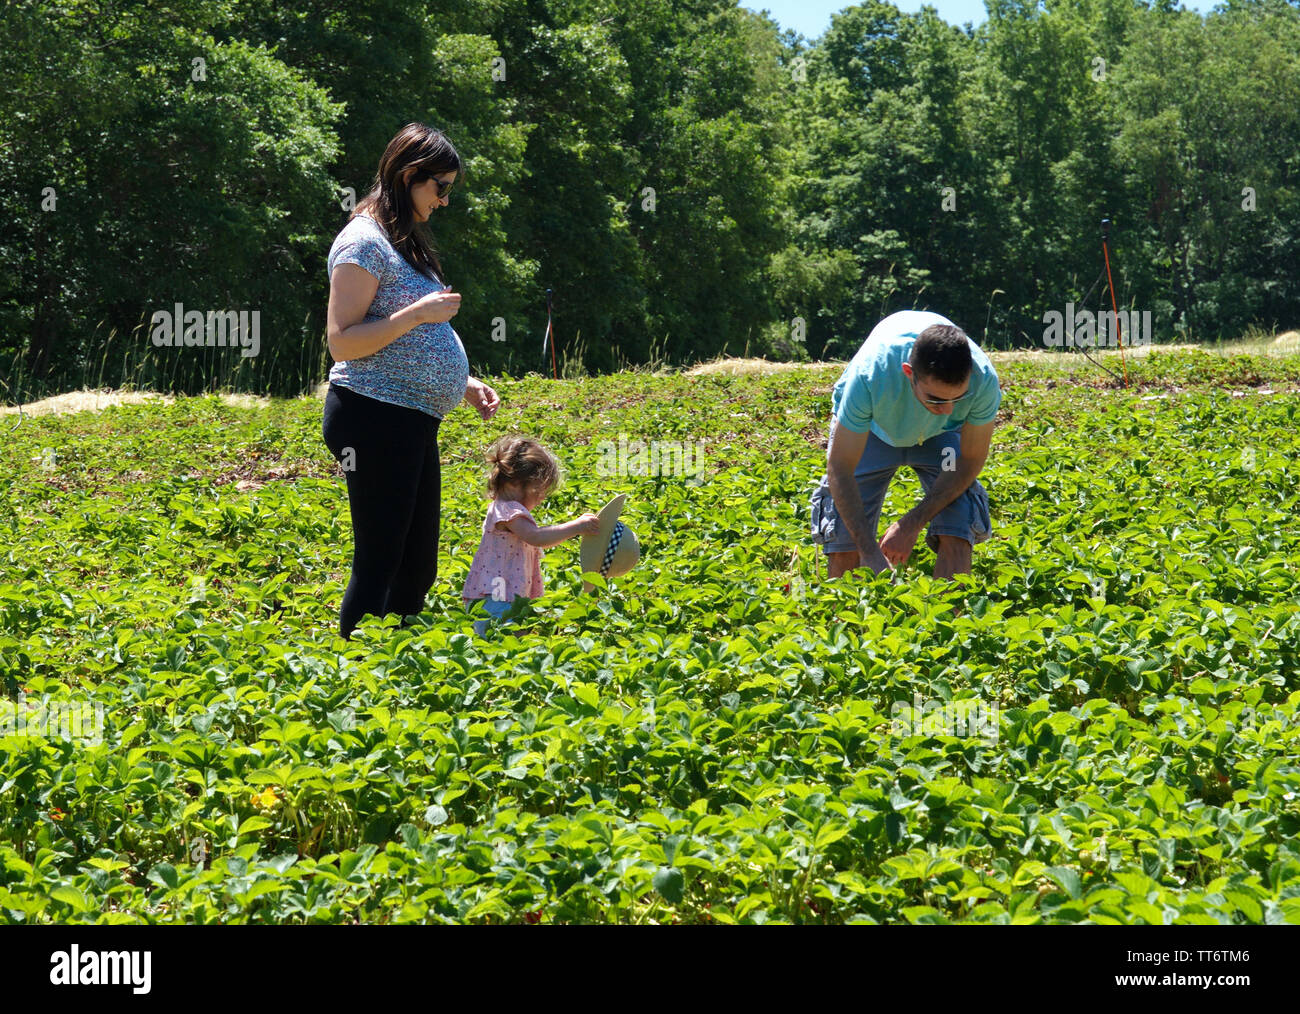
(687, 179)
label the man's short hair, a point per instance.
(942, 353)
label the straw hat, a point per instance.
(614, 551)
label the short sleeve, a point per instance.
(853, 404)
(363, 250)
(506, 510)
(985, 403)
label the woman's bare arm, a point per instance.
(351, 336)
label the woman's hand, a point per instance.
(437, 307)
(481, 397)
(588, 524)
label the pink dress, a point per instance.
(505, 565)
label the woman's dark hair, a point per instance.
(518, 460)
(429, 153)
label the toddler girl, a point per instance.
(509, 558)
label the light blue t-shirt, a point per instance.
(874, 393)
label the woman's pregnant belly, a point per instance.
(425, 369)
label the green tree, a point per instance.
(1211, 165)
(186, 170)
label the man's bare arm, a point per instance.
(975, 442)
(842, 457)
(902, 535)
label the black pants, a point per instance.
(389, 456)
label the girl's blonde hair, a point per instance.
(517, 460)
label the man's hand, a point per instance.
(481, 397)
(902, 535)
(897, 544)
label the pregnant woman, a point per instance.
(399, 367)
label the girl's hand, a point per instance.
(588, 524)
(481, 397)
(437, 307)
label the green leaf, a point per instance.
(71, 896)
(1068, 879)
(164, 875)
(670, 883)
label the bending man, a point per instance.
(918, 393)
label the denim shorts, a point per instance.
(967, 517)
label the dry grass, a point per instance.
(97, 401)
(1042, 355)
(738, 366)
(1285, 344)
(1258, 344)
(744, 367)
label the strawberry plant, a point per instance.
(722, 735)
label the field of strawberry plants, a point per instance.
(721, 736)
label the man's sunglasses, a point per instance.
(939, 401)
